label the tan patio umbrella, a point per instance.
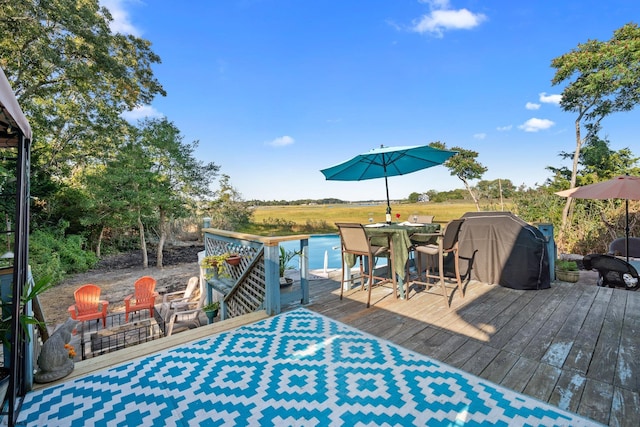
(621, 187)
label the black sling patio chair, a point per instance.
(612, 271)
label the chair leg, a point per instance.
(342, 276)
(370, 284)
(441, 274)
(413, 254)
(457, 266)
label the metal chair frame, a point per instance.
(447, 243)
(355, 241)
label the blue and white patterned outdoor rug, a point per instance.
(297, 368)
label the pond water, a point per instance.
(319, 245)
(322, 248)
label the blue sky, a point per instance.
(275, 90)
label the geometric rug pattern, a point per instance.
(298, 368)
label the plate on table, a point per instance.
(375, 225)
(411, 224)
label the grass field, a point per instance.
(313, 219)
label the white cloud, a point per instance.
(532, 106)
(534, 125)
(550, 99)
(480, 135)
(142, 112)
(281, 141)
(504, 128)
(121, 22)
(441, 19)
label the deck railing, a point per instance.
(254, 284)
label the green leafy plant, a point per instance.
(29, 294)
(212, 306)
(285, 258)
(214, 261)
(566, 265)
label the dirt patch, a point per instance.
(116, 275)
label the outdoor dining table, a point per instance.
(400, 241)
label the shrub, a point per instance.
(56, 256)
(566, 265)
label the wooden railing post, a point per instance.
(267, 277)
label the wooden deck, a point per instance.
(576, 346)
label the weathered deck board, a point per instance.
(581, 353)
(596, 401)
(576, 346)
(602, 366)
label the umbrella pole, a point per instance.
(626, 227)
(388, 216)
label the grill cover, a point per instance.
(503, 249)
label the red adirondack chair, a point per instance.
(88, 304)
(143, 297)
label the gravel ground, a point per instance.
(116, 275)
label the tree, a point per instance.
(603, 78)
(414, 197)
(126, 187)
(153, 179)
(73, 77)
(228, 210)
(499, 189)
(179, 177)
(465, 166)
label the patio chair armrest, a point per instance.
(177, 301)
(127, 300)
(178, 313)
(422, 238)
(72, 311)
(428, 234)
(168, 295)
(105, 305)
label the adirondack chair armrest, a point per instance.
(179, 313)
(170, 296)
(179, 316)
(177, 302)
(104, 304)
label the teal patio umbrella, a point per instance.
(384, 162)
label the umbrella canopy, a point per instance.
(384, 162)
(621, 187)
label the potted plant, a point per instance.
(233, 259)
(285, 258)
(567, 270)
(29, 294)
(214, 261)
(211, 310)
